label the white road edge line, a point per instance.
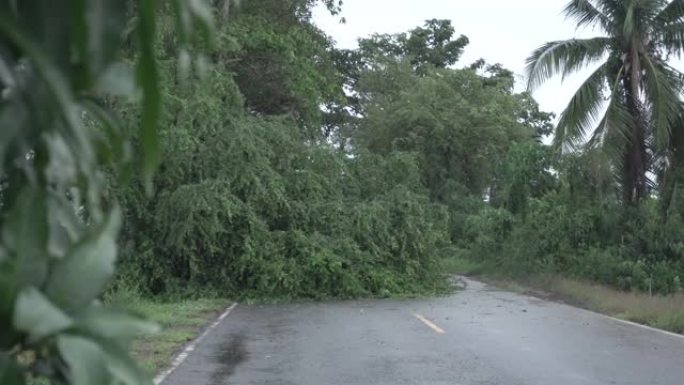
(630, 323)
(182, 356)
(601, 315)
(429, 323)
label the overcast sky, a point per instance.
(500, 31)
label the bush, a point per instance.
(632, 249)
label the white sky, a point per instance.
(500, 31)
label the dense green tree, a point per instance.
(641, 89)
(458, 131)
(277, 43)
(524, 174)
(432, 45)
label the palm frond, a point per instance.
(613, 9)
(564, 57)
(672, 38)
(581, 114)
(585, 13)
(629, 23)
(613, 129)
(661, 85)
(672, 13)
(612, 138)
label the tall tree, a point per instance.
(276, 42)
(432, 45)
(458, 122)
(633, 78)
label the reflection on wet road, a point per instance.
(477, 336)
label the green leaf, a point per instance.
(113, 147)
(79, 33)
(661, 85)
(50, 33)
(201, 10)
(184, 64)
(57, 85)
(61, 169)
(65, 226)
(203, 66)
(25, 234)
(10, 372)
(122, 367)
(8, 291)
(36, 315)
(115, 325)
(13, 120)
(117, 80)
(85, 360)
(105, 20)
(183, 21)
(148, 80)
(79, 277)
(672, 13)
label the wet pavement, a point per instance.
(478, 336)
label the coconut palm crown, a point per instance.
(629, 103)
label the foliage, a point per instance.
(250, 204)
(430, 46)
(58, 227)
(278, 44)
(589, 236)
(292, 169)
(245, 206)
(419, 161)
(458, 132)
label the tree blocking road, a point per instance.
(476, 336)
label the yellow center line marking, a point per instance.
(429, 323)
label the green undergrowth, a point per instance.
(181, 321)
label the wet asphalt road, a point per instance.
(476, 336)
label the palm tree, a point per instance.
(633, 80)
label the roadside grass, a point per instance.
(181, 322)
(663, 312)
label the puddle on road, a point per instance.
(230, 355)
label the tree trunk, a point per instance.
(635, 151)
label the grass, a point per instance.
(663, 312)
(181, 322)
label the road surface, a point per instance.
(478, 336)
